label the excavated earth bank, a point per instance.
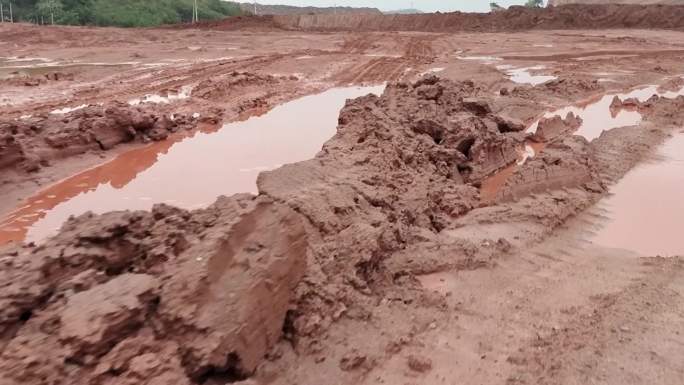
(171, 296)
(515, 18)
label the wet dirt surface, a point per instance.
(423, 242)
(644, 211)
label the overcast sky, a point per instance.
(388, 5)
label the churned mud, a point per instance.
(255, 202)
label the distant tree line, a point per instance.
(122, 13)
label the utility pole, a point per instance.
(2, 14)
(195, 13)
(11, 14)
(255, 9)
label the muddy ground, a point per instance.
(385, 259)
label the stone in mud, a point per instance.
(149, 297)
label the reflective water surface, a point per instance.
(188, 172)
(597, 115)
(646, 208)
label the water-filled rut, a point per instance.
(189, 172)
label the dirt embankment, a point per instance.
(514, 19)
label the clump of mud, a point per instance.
(33, 142)
(160, 297)
(566, 88)
(402, 167)
(22, 80)
(221, 86)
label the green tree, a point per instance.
(121, 13)
(50, 9)
(534, 3)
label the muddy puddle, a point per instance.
(645, 210)
(597, 117)
(188, 172)
(526, 75)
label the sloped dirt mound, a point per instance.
(400, 169)
(167, 296)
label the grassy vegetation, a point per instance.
(121, 13)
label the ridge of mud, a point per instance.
(515, 18)
(189, 297)
(33, 142)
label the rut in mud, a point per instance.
(229, 159)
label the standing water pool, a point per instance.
(190, 173)
(645, 209)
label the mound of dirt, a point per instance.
(401, 168)
(160, 297)
(219, 87)
(33, 142)
(515, 18)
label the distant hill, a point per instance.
(264, 9)
(409, 11)
(641, 2)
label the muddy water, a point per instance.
(646, 209)
(188, 172)
(524, 75)
(598, 117)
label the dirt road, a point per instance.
(445, 234)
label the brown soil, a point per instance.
(515, 18)
(412, 249)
